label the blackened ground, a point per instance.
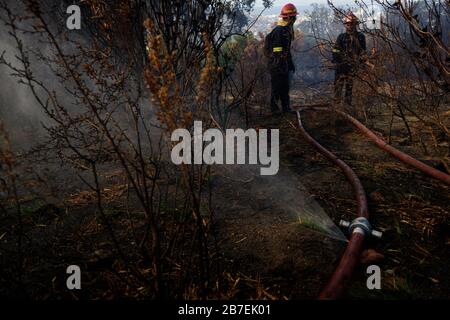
(261, 250)
(262, 237)
(411, 209)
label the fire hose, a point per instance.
(349, 260)
(383, 145)
(360, 229)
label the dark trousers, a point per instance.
(343, 88)
(280, 91)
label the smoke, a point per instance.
(23, 117)
(20, 113)
(18, 108)
(282, 195)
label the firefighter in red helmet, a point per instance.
(278, 51)
(349, 52)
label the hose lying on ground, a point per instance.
(383, 145)
(352, 254)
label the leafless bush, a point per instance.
(100, 116)
(411, 73)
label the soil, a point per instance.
(261, 238)
(263, 248)
(411, 209)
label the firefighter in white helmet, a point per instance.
(349, 52)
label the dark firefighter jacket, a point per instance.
(277, 48)
(349, 51)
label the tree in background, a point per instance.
(112, 93)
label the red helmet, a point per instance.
(288, 10)
(350, 18)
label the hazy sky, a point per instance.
(278, 3)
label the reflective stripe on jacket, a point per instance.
(277, 48)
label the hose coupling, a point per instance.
(361, 225)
